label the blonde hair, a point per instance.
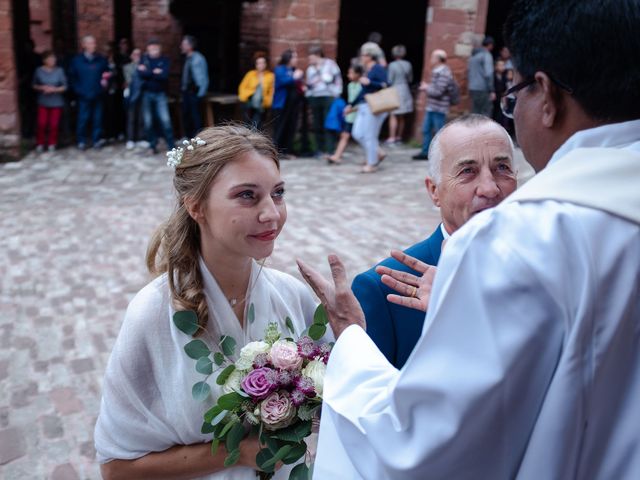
(175, 246)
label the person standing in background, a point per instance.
(400, 75)
(286, 101)
(480, 76)
(256, 91)
(85, 75)
(50, 82)
(194, 85)
(132, 95)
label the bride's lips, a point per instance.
(266, 236)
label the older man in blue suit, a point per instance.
(470, 170)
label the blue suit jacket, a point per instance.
(393, 328)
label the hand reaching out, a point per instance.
(415, 291)
(341, 304)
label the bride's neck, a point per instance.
(232, 273)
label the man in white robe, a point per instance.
(529, 362)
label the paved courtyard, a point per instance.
(74, 228)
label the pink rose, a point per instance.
(260, 382)
(277, 411)
(284, 355)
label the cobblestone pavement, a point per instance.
(73, 232)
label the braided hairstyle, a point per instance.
(175, 246)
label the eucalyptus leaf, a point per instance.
(214, 446)
(228, 345)
(218, 418)
(226, 429)
(272, 444)
(207, 428)
(218, 358)
(204, 366)
(279, 455)
(230, 401)
(317, 331)
(296, 453)
(295, 433)
(320, 315)
(251, 313)
(224, 374)
(200, 391)
(186, 321)
(235, 435)
(212, 413)
(289, 324)
(232, 458)
(300, 472)
(262, 457)
(197, 349)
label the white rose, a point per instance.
(315, 370)
(249, 352)
(233, 382)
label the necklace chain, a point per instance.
(235, 301)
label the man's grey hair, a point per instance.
(435, 149)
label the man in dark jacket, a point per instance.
(154, 72)
(86, 77)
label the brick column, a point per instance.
(451, 25)
(95, 17)
(255, 31)
(298, 24)
(9, 118)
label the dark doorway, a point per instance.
(496, 16)
(403, 24)
(216, 26)
(122, 20)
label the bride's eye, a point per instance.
(279, 193)
(246, 195)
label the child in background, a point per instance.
(353, 89)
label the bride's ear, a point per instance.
(194, 208)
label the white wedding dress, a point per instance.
(147, 404)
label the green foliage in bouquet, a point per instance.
(274, 390)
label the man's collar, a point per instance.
(445, 234)
(612, 135)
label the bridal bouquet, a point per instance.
(274, 389)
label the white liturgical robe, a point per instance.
(529, 362)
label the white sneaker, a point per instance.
(130, 145)
(143, 144)
(40, 149)
(52, 148)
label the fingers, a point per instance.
(403, 277)
(410, 261)
(338, 272)
(400, 287)
(314, 279)
(414, 303)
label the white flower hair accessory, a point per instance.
(174, 156)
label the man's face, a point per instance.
(185, 46)
(153, 50)
(314, 59)
(476, 172)
(89, 45)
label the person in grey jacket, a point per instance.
(50, 82)
(480, 76)
(194, 85)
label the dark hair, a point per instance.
(564, 39)
(487, 41)
(46, 54)
(316, 50)
(153, 41)
(375, 37)
(357, 69)
(286, 56)
(191, 40)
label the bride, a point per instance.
(230, 210)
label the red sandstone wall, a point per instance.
(298, 24)
(9, 130)
(255, 32)
(451, 25)
(40, 12)
(95, 17)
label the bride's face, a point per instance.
(245, 210)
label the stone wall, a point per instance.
(451, 25)
(95, 17)
(255, 31)
(9, 124)
(298, 24)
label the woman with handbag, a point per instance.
(366, 127)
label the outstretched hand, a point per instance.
(339, 301)
(415, 291)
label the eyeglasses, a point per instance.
(508, 99)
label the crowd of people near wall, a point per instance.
(123, 95)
